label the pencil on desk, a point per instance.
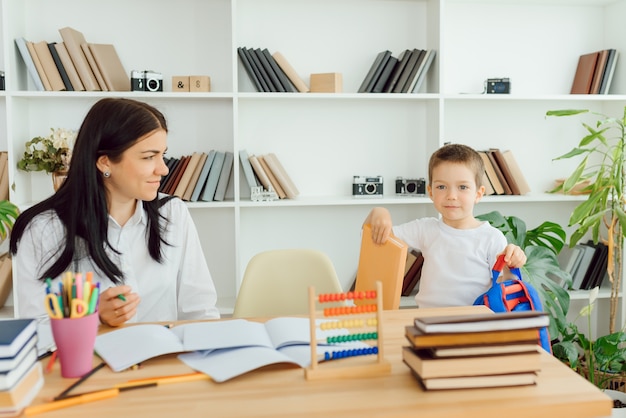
(163, 380)
(75, 400)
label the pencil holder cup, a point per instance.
(75, 339)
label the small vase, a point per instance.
(58, 177)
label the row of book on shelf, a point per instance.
(586, 263)
(270, 72)
(21, 374)
(402, 74)
(503, 175)
(73, 64)
(594, 72)
(205, 176)
(478, 350)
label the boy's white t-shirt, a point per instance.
(457, 262)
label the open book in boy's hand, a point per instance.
(273, 341)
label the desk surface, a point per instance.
(282, 391)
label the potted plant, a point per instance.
(51, 154)
(541, 244)
(603, 150)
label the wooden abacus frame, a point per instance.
(370, 369)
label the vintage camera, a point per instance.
(498, 86)
(1, 80)
(410, 187)
(363, 186)
(147, 80)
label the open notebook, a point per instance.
(384, 263)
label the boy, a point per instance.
(459, 250)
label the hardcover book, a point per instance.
(194, 177)
(472, 382)
(110, 66)
(42, 73)
(185, 178)
(214, 174)
(243, 57)
(204, 174)
(415, 56)
(284, 80)
(273, 180)
(384, 263)
(13, 400)
(48, 65)
(290, 72)
(68, 65)
(583, 78)
(482, 322)
(247, 168)
(269, 71)
(94, 67)
(491, 173)
(22, 47)
(281, 175)
(420, 339)
(59, 64)
(374, 72)
(403, 58)
(14, 334)
(428, 367)
(225, 175)
(73, 40)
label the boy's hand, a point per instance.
(514, 256)
(379, 220)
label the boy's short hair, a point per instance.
(457, 153)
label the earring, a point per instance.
(106, 174)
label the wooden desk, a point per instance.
(282, 391)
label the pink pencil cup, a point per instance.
(75, 339)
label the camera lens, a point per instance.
(152, 84)
(370, 188)
(411, 187)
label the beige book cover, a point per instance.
(491, 173)
(290, 72)
(110, 66)
(277, 187)
(384, 263)
(260, 173)
(185, 178)
(69, 67)
(73, 39)
(49, 67)
(281, 175)
(94, 66)
(516, 172)
(42, 74)
(197, 169)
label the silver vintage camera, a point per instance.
(363, 186)
(147, 80)
(498, 86)
(410, 187)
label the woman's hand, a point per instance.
(113, 309)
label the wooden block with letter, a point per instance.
(199, 83)
(384, 263)
(326, 83)
(180, 83)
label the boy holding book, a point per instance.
(459, 250)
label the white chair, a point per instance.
(276, 282)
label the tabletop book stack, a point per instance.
(476, 350)
(21, 376)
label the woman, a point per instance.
(109, 218)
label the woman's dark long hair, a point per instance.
(110, 128)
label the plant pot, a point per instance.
(58, 177)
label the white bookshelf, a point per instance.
(325, 139)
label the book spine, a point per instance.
(57, 61)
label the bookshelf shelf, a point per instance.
(323, 139)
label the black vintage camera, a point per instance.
(410, 187)
(498, 86)
(363, 186)
(147, 80)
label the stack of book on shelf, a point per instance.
(267, 171)
(270, 72)
(201, 176)
(21, 376)
(586, 263)
(404, 74)
(503, 175)
(594, 72)
(475, 350)
(73, 64)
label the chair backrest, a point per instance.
(276, 282)
(384, 263)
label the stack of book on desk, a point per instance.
(476, 350)
(21, 376)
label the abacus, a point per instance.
(365, 316)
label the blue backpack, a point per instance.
(513, 295)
